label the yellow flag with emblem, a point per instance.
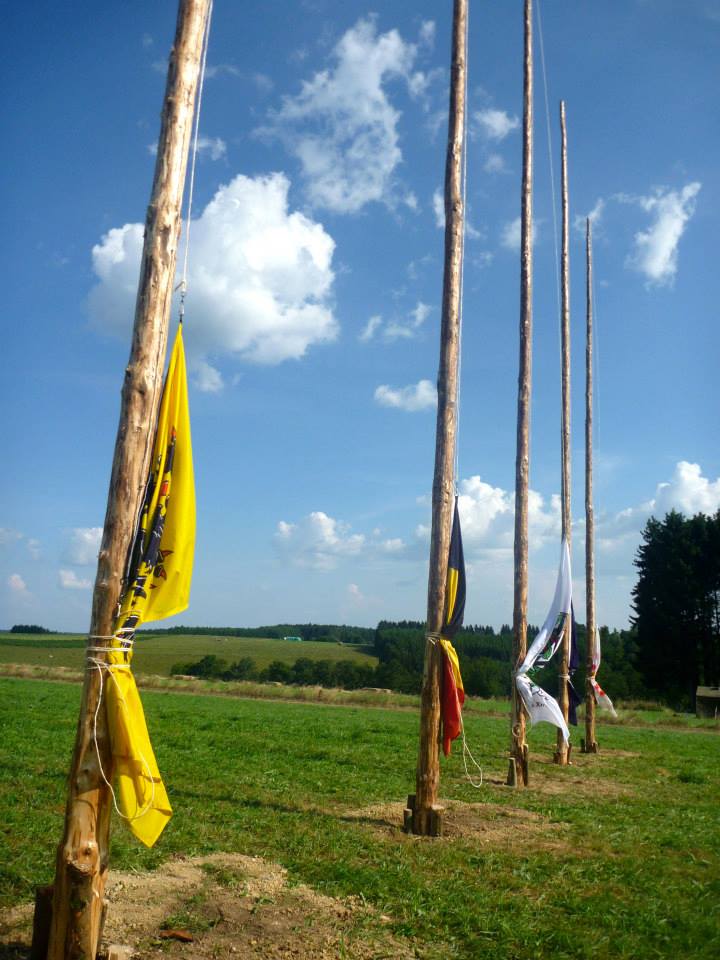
(157, 585)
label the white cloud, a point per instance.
(594, 216)
(427, 33)
(419, 396)
(213, 70)
(84, 545)
(207, 378)
(260, 277)
(317, 541)
(342, 126)
(488, 517)
(9, 536)
(688, 491)
(438, 205)
(512, 234)
(69, 580)
(404, 329)
(17, 585)
(495, 124)
(214, 147)
(655, 252)
(33, 546)
(494, 163)
(370, 328)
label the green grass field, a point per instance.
(614, 857)
(156, 656)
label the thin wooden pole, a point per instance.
(82, 859)
(590, 745)
(425, 814)
(562, 752)
(518, 771)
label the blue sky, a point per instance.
(314, 294)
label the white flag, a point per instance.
(601, 698)
(539, 704)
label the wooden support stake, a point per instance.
(562, 752)
(590, 741)
(518, 746)
(82, 858)
(428, 765)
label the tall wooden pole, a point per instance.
(518, 771)
(562, 752)
(82, 861)
(425, 817)
(590, 745)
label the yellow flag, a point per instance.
(158, 585)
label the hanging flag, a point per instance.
(453, 692)
(574, 699)
(601, 698)
(158, 585)
(539, 704)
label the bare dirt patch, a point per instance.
(489, 824)
(225, 905)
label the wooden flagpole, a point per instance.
(78, 903)
(423, 816)
(590, 743)
(518, 769)
(562, 752)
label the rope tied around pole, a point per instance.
(104, 668)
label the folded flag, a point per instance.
(157, 585)
(453, 693)
(538, 703)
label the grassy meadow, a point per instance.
(616, 856)
(156, 658)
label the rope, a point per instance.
(550, 159)
(468, 753)
(93, 663)
(462, 261)
(182, 286)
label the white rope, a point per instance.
(552, 176)
(462, 260)
(93, 663)
(183, 283)
(468, 753)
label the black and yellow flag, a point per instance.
(453, 692)
(157, 586)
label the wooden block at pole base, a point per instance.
(117, 952)
(512, 778)
(436, 820)
(41, 922)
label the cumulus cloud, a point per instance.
(655, 250)
(415, 397)
(260, 278)
(688, 491)
(18, 585)
(317, 541)
(341, 125)
(495, 124)
(321, 542)
(84, 545)
(207, 378)
(34, 550)
(494, 163)
(8, 536)
(69, 580)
